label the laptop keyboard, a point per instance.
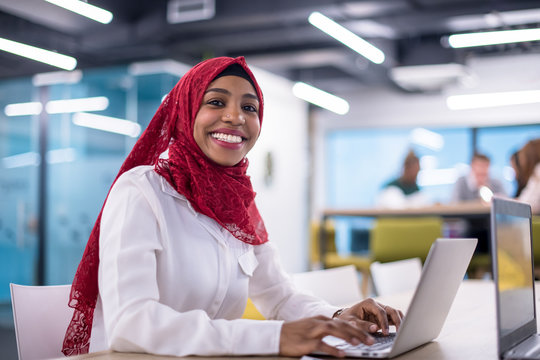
(381, 342)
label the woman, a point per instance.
(180, 244)
(529, 170)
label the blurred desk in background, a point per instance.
(466, 219)
(459, 210)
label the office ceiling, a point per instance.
(273, 34)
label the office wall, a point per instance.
(279, 168)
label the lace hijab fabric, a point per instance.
(222, 193)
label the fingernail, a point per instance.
(373, 328)
(355, 341)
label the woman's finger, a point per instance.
(330, 350)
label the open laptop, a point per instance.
(441, 276)
(512, 261)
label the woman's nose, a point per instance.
(233, 117)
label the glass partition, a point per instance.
(81, 163)
(19, 160)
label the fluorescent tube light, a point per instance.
(82, 8)
(22, 109)
(427, 138)
(57, 77)
(493, 37)
(346, 37)
(33, 159)
(106, 123)
(45, 56)
(58, 156)
(475, 101)
(320, 98)
(20, 160)
(97, 103)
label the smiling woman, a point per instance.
(180, 243)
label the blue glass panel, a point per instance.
(18, 188)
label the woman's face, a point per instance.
(227, 124)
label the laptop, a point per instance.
(512, 261)
(441, 276)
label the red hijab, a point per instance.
(219, 192)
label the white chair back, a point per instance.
(338, 286)
(41, 315)
(395, 276)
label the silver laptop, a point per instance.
(512, 261)
(442, 274)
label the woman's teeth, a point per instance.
(235, 139)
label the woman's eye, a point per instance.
(250, 108)
(215, 102)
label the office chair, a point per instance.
(41, 316)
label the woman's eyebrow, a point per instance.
(227, 92)
(219, 90)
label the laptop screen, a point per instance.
(513, 269)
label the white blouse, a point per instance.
(174, 282)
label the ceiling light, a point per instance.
(475, 101)
(58, 156)
(347, 37)
(22, 109)
(493, 19)
(106, 123)
(57, 77)
(427, 138)
(493, 37)
(82, 8)
(97, 103)
(20, 160)
(45, 56)
(320, 98)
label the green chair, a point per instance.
(401, 238)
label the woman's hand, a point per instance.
(354, 325)
(305, 336)
(376, 313)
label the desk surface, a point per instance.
(469, 331)
(465, 209)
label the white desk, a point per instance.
(469, 331)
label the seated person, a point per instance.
(180, 245)
(477, 185)
(403, 191)
(529, 171)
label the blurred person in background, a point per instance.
(403, 191)
(529, 169)
(518, 175)
(477, 184)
